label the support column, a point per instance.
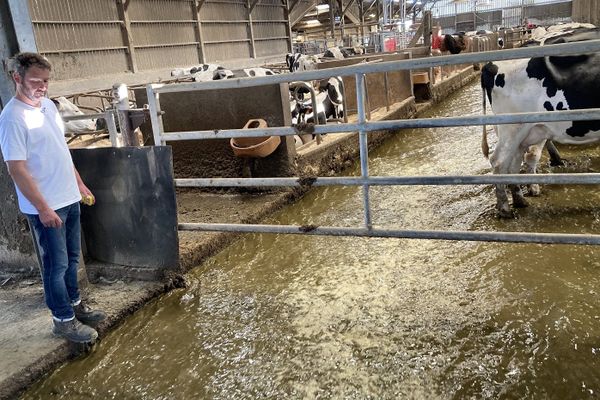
(201, 53)
(286, 14)
(251, 28)
(122, 9)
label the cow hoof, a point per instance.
(520, 203)
(505, 214)
(533, 190)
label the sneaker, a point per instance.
(74, 331)
(88, 316)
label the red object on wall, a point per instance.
(389, 44)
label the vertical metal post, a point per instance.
(364, 149)
(112, 129)
(155, 115)
(121, 105)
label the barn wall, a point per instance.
(586, 11)
(90, 38)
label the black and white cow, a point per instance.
(203, 72)
(301, 62)
(536, 85)
(329, 100)
(66, 109)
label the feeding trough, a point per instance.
(260, 146)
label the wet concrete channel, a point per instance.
(276, 316)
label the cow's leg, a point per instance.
(532, 158)
(506, 159)
(516, 191)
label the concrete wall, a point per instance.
(224, 109)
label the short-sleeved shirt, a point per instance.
(36, 135)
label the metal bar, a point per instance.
(520, 179)
(77, 22)
(270, 38)
(226, 41)
(82, 117)
(251, 6)
(478, 236)
(147, 46)
(364, 149)
(414, 63)
(112, 128)
(163, 21)
(155, 117)
(395, 125)
(83, 50)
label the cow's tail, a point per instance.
(485, 148)
(488, 74)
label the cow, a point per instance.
(65, 109)
(455, 43)
(258, 71)
(536, 85)
(203, 72)
(329, 100)
(301, 62)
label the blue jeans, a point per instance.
(59, 250)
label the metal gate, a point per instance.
(363, 127)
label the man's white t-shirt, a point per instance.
(36, 135)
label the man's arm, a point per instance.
(82, 188)
(20, 174)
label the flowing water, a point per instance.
(302, 317)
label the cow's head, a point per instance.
(454, 43)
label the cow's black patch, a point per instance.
(500, 80)
(488, 74)
(578, 77)
(560, 106)
(548, 106)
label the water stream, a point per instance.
(302, 317)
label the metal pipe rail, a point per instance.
(477, 120)
(521, 179)
(477, 236)
(363, 127)
(589, 46)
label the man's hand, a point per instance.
(50, 219)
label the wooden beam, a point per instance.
(347, 7)
(201, 51)
(251, 7)
(251, 29)
(22, 25)
(286, 12)
(294, 4)
(126, 33)
(418, 34)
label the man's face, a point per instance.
(32, 87)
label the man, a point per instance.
(49, 189)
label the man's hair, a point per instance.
(24, 61)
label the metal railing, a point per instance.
(363, 126)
